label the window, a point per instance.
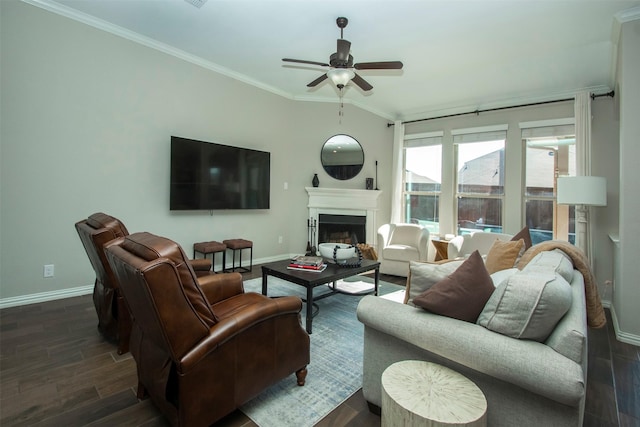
(480, 179)
(422, 179)
(550, 152)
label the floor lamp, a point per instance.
(582, 191)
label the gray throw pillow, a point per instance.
(423, 275)
(527, 306)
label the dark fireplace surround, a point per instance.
(349, 229)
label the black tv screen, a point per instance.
(208, 176)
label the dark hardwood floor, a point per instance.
(56, 370)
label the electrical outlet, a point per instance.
(279, 239)
(48, 270)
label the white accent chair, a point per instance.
(463, 246)
(400, 243)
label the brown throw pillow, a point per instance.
(503, 255)
(463, 294)
(524, 235)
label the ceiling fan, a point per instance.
(341, 64)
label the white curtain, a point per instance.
(396, 173)
(582, 112)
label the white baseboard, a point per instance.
(86, 290)
(45, 296)
(623, 336)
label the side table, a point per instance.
(442, 249)
(418, 393)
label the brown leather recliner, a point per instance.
(113, 317)
(202, 348)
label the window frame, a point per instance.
(478, 135)
(558, 128)
(428, 139)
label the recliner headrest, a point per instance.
(102, 220)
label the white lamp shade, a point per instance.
(582, 190)
(340, 76)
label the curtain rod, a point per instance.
(477, 112)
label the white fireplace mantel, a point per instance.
(345, 201)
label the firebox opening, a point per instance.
(349, 229)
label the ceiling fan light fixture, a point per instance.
(340, 76)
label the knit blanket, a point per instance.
(595, 312)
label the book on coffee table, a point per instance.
(314, 269)
(314, 261)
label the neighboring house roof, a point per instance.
(419, 179)
(485, 170)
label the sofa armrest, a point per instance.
(528, 364)
(218, 287)
(454, 247)
(423, 244)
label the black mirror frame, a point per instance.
(342, 172)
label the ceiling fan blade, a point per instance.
(344, 47)
(385, 65)
(302, 61)
(317, 81)
(362, 83)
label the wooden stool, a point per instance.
(239, 245)
(418, 393)
(211, 248)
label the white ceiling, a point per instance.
(458, 55)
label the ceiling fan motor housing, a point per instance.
(335, 62)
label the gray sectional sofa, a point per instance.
(526, 381)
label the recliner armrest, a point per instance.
(261, 309)
(218, 287)
(200, 264)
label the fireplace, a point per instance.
(342, 228)
(343, 205)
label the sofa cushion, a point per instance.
(554, 261)
(423, 275)
(503, 255)
(463, 294)
(527, 306)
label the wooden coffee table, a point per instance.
(312, 279)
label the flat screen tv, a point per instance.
(209, 176)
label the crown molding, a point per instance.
(628, 15)
(100, 24)
(151, 43)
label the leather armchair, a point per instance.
(113, 317)
(202, 347)
(400, 243)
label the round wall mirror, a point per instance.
(342, 157)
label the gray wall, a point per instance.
(626, 293)
(86, 123)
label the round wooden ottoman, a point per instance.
(418, 393)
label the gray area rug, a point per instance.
(335, 371)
